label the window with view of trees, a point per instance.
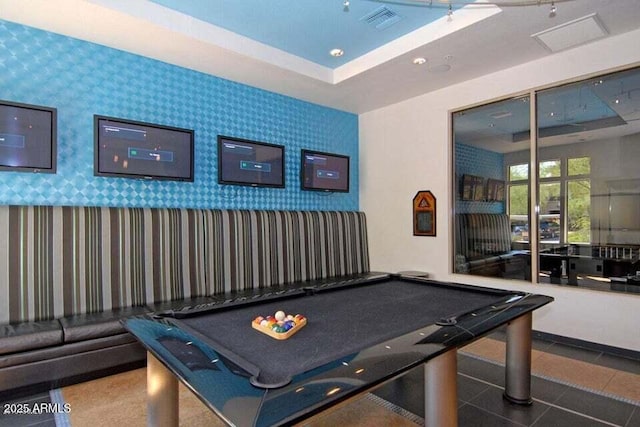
(555, 226)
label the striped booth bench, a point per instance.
(483, 246)
(68, 275)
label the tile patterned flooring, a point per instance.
(571, 386)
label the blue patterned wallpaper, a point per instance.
(476, 161)
(81, 79)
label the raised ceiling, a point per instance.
(282, 46)
(311, 29)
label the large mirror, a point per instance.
(589, 182)
(491, 208)
(585, 180)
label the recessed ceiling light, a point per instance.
(419, 60)
(336, 52)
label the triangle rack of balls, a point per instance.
(279, 326)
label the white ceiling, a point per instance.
(477, 41)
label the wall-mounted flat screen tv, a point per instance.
(27, 138)
(130, 149)
(324, 171)
(244, 162)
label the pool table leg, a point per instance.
(441, 390)
(518, 361)
(162, 395)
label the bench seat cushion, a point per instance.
(29, 336)
(61, 351)
(97, 325)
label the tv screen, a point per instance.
(324, 171)
(125, 148)
(244, 162)
(27, 138)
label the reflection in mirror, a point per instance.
(492, 197)
(589, 182)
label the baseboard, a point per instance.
(588, 345)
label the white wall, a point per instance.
(404, 148)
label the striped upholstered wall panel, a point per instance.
(129, 280)
(59, 261)
(481, 234)
(177, 243)
(83, 235)
(27, 264)
(250, 249)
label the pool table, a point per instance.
(359, 335)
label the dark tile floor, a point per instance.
(480, 388)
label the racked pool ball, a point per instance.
(280, 316)
(289, 324)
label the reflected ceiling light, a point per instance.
(336, 52)
(333, 391)
(345, 6)
(501, 114)
(450, 3)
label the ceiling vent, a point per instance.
(573, 33)
(381, 18)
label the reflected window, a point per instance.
(579, 211)
(550, 169)
(579, 166)
(519, 172)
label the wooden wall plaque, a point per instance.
(424, 214)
